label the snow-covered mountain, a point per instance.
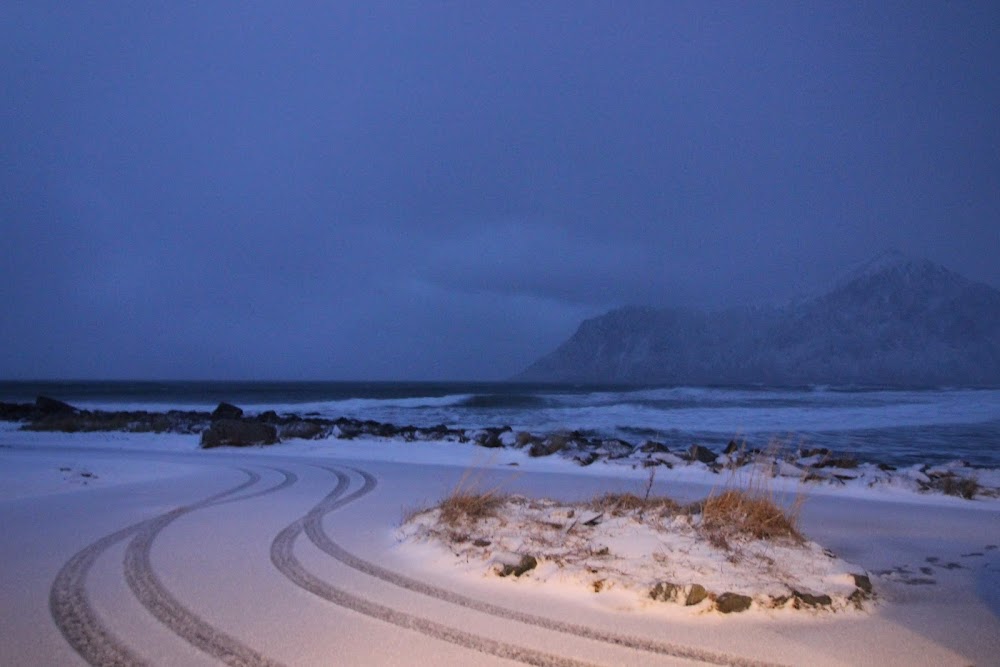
(892, 321)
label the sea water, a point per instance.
(899, 426)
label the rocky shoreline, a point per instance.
(228, 425)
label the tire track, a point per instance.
(283, 557)
(153, 595)
(70, 606)
(313, 526)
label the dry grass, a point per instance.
(964, 487)
(737, 512)
(747, 507)
(467, 504)
(619, 504)
(467, 507)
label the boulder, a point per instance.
(489, 438)
(238, 433)
(526, 564)
(695, 594)
(227, 411)
(305, 429)
(703, 454)
(863, 582)
(50, 406)
(811, 600)
(732, 603)
(664, 591)
(16, 412)
(549, 446)
(653, 447)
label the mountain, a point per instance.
(892, 321)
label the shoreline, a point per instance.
(228, 425)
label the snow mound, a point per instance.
(645, 552)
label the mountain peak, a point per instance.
(890, 320)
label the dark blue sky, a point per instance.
(442, 191)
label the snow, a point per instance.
(216, 559)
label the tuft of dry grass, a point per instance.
(619, 504)
(742, 513)
(465, 506)
(964, 487)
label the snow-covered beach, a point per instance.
(144, 547)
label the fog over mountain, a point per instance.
(895, 320)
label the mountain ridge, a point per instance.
(896, 321)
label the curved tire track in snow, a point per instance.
(153, 595)
(283, 557)
(313, 526)
(70, 605)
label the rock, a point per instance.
(549, 446)
(489, 438)
(50, 406)
(268, 417)
(863, 582)
(731, 448)
(664, 592)
(304, 429)
(731, 603)
(703, 454)
(585, 459)
(842, 462)
(16, 412)
(227, 411)
(653, 447)
(616, 449)
(526, 564)
(811, 600)
(523, 439)
(238, 433)
(695, 594)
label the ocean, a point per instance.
(879, 424)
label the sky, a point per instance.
(443, 191)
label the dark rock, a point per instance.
(268, 417)
(526, 564)
(863, 582)
(50, 406)
(616, 449)
(480, 542)
(586, 458)
(731, 448)
(731, 603)
(490, 438)
(304, 429)
(811, 600)
(238, 433)
(17, 412)
(700, 453)
(664, 592)
(227, 411)
(886, 467)
(696, 594)
(838, 462)
(524, 439)
(552, 444)
(653, 447)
